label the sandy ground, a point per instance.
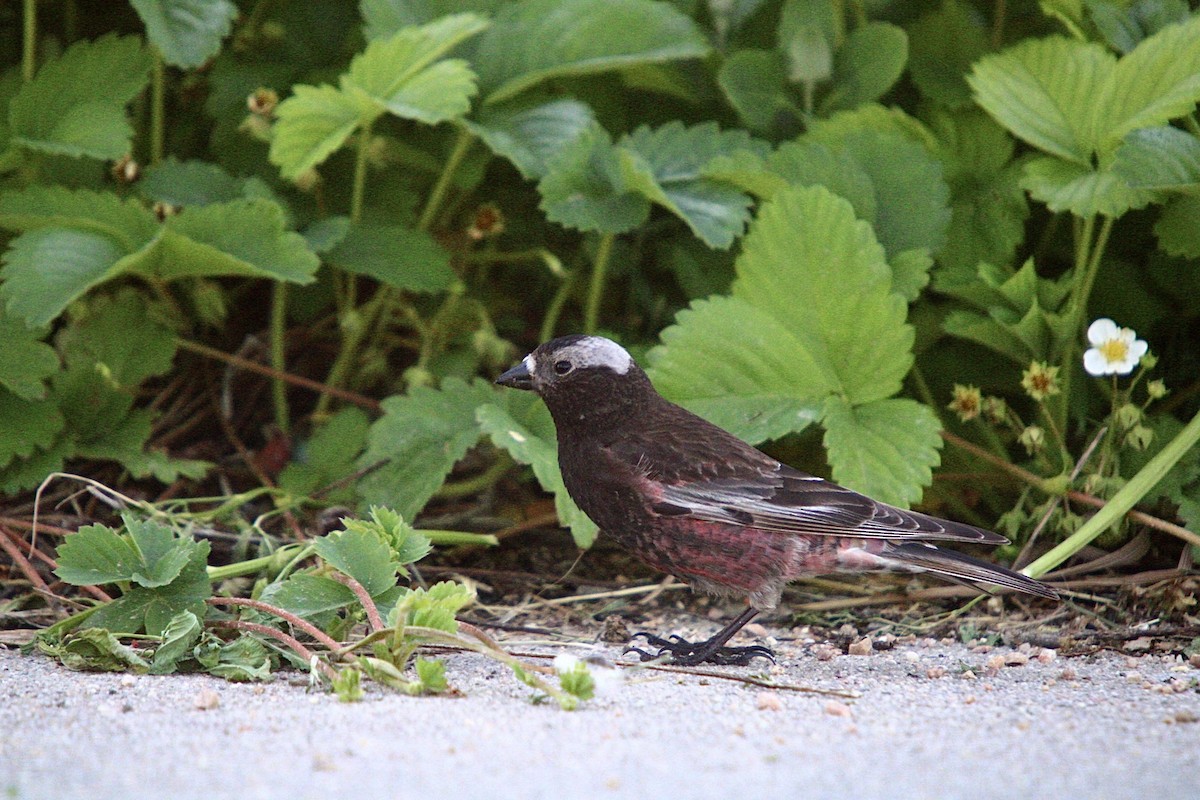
(1101, 726)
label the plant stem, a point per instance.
(278, 355)
(158, 108)
(1124, 500)
(554, 310)
(1087, 263)
(359, 188)
(29, 41)
(477, 483)
(462, 145)
(591, 312)
(999, 13)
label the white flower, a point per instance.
(1114, 351)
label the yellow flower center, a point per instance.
(1115, 350)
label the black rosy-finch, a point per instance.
(693, 500)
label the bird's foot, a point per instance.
(686, 654)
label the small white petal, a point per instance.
(1095, 363)
(1102, 330)
(1137, 349)
(565, 662)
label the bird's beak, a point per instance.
(517, 378)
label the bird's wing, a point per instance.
(693, 468)
(790, 501)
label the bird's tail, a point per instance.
(957, 567)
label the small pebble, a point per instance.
(862, 647)
(206, 700)
(1046, 655)
(1016, 660)
(1194, 660)
(968, 674)
(769, 701)
(825, 652)
(909, 655)
(1068, 674)
(835, 709)
(754, 629)
(968, 700)
(935, 672)
(127, 680)
(994, 664)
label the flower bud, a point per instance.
(1033, 438)
(1127, 416)
(1139, 437)
(1156, 389)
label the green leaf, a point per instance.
(943, 45)
(407, 544)
(308, 595)
(75, 241)
(804, 162)
(1046, 91)
(867, 65)
(152, 609)
(988, 205)
(402, 73)
(75, 105)
(539, 40)
(179, 637)
(885, 449)
(95, 649)
(361, 554)
(1083, 191)
(310, 125)
(96, 554)
(149, 554)
(328, 456)
(81, 260)
(26, 473)
(435, 607)
(26, 426)
(526, 432)
(666, 167)
(759, 362)
(911, 197)
(1158, 81)
(186, 32)
(189, 183)
(431, 674)
(532, 133)
(385, 17)
(396, 255)
(242, 238)
(119, 338)
(809, 237)
(243, 659)
(126, 222)
(1161, 159)
(743, 369)
(421, 436)
(25, 361)
(584, 187)
(1178, 229)
(754, 83)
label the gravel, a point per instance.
(930, 720)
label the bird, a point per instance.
(691, 499)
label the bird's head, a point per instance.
(576, 366)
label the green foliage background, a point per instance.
(809, 219)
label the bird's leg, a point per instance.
(711, 651)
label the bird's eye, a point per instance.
(563, 367)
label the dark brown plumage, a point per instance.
(695, 501)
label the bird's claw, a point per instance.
(685, 654)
